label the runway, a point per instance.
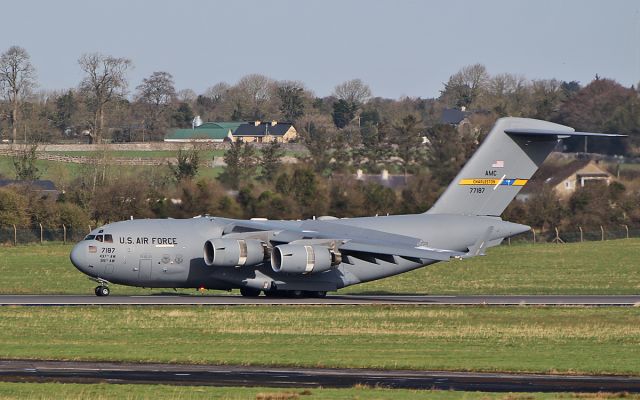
(547, 300)
(212, 375)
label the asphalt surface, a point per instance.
(90, 372)
(68, 300)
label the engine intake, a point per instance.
(227, 252)
(302, 259)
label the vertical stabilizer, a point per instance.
(501, 166)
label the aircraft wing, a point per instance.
(421, 252)
(349, 240)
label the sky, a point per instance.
(398, 47)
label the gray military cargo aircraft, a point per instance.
(313, 257)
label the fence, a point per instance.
(579, 235)
(11, 235)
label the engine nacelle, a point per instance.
(227, 252)
(302, 259)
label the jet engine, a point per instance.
(303, 259)
(227, 252)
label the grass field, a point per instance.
(44, 391)
(526, 339)
(204, 154)
(63, 173)
(609, 267)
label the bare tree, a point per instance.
(257, 87)
(156, 93)
(354, 92)
(187, 96)
(17, 78)
(465, 86)
(104, 82)
(257, 90)
(217, 92)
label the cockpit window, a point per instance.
(108, 238)
(99, 238)
(90, 237)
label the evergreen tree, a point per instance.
(270, 161)
(343, 113)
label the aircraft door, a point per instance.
(144, 273)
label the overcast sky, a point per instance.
(399, 48)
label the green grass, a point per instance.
(43, 391)
(519, 339)
(609, 267)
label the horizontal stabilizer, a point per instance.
(480, 246)
(559, 134)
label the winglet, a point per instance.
(480, 245)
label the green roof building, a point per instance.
(207, 132)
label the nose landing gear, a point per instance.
(102, 291)
(103, 287)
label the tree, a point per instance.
(291, 96)
(188, 162)
(104, 82)
(13, 208)
(17, 78)
(157, 93)
(270, 161)
(66, 106)
(465, 86)
(183, 116)
(343, 113)
(318, 137)
(602, 106)
(375, 141)
(447, 151)
(257, 90)
(354, 92)
(406, 136)
(241, 163)
(24, 164)
(217, 92)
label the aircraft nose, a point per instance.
(78, 256)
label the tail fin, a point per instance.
(502, 165)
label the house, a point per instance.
(566, 179)
(391, 181)
(453, 116)
(206, 132)
(265, 132)
(43, 187)
(256, 131)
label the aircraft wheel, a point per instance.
(249, 292)
(97, 291)
(319, 294)
(102, 291)
(296, 294)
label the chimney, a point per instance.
(463, 108)
(256, 123)
(359, 174)
(385, 175)
(274, 123)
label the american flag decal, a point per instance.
(498, 164)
